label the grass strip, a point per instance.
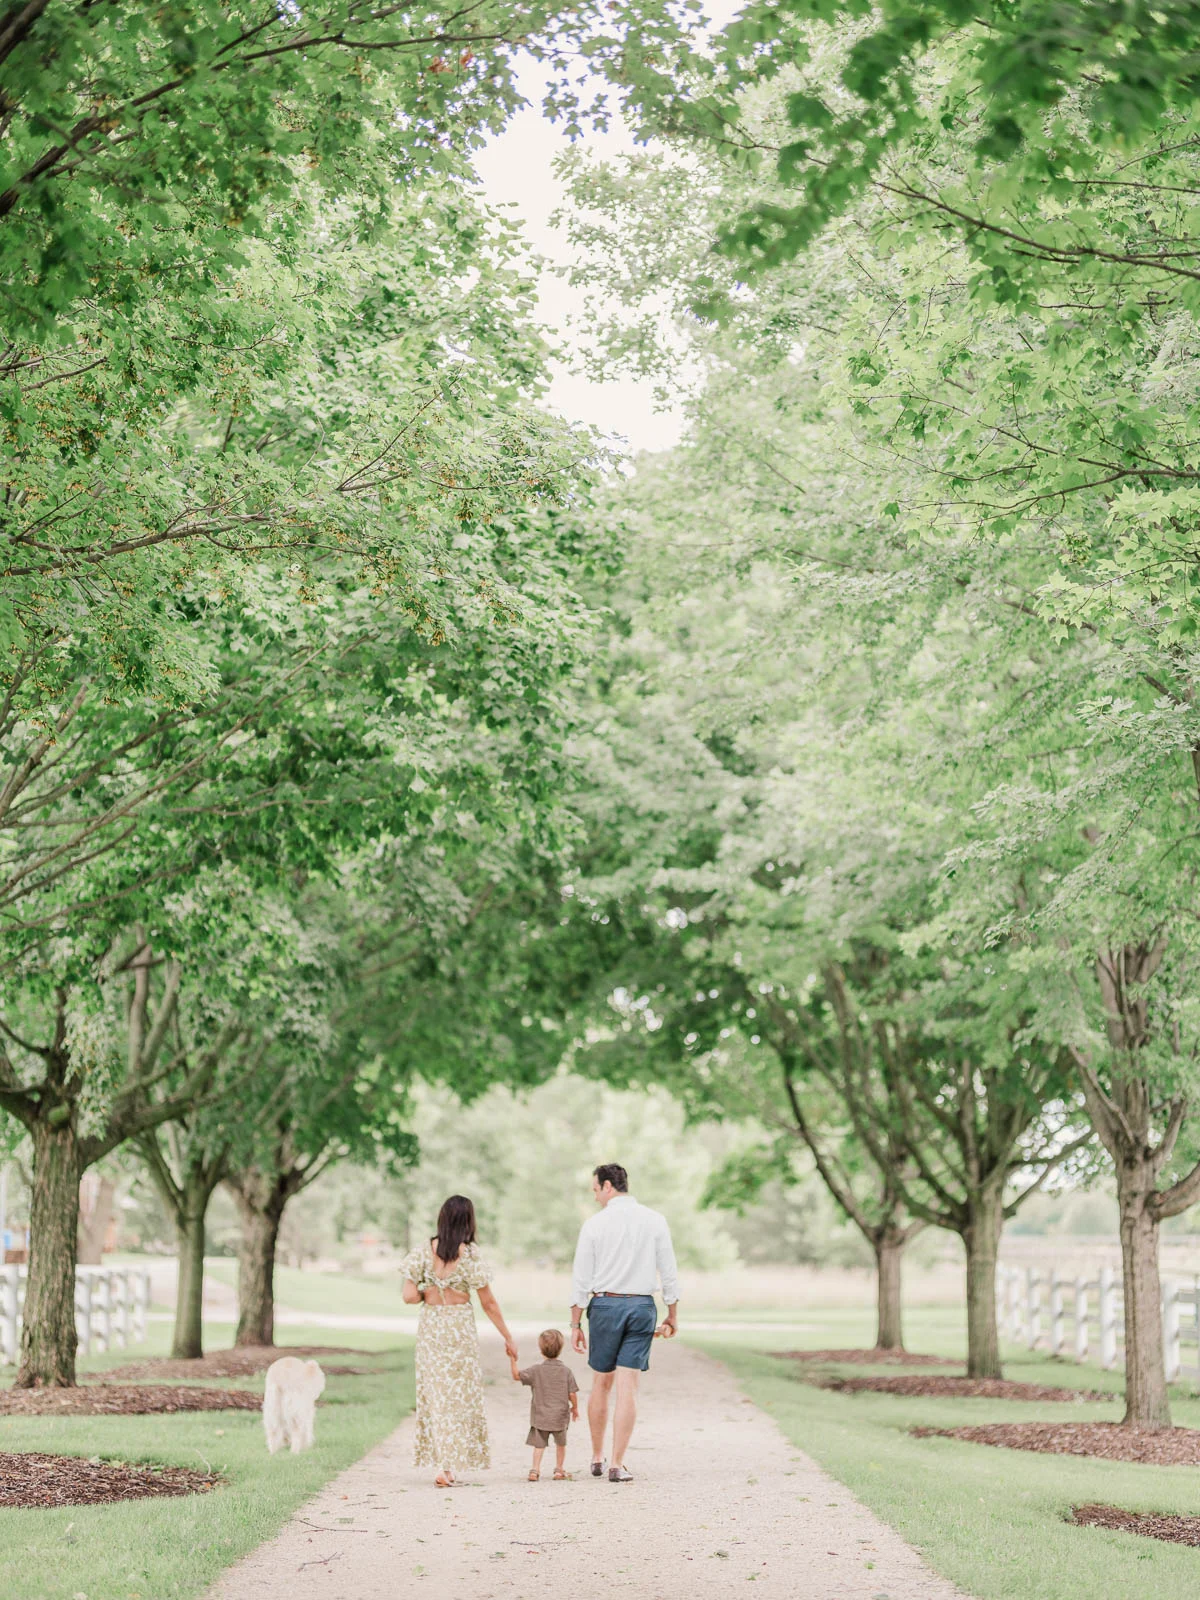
(174, 1549)
(993, 1521)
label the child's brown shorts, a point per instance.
(539, 1438)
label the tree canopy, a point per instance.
(837, 770)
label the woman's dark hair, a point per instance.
(456, 1227)
(610, 1172)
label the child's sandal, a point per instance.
(533, 1477)
(561, 1475)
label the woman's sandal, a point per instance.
(561, 1475)
(444, 1480)
(533, 1476)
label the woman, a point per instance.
(439, 1276)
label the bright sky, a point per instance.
(515, 168)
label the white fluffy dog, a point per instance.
(290, 1402)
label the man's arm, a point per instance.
(668, 1273)
(581, 1284)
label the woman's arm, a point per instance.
(412, 1295)
(492, 1311)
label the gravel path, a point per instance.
(721, 1497)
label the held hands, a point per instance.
(510, 1350)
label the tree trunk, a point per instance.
(48, 1337)
(981, 1240)
(1146, 1401)
(188, 1339)
(256, 1269)
(889, 1252)
(187, 1198)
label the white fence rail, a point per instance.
(111, 1305)
(1083, 1318)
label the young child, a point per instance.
(553, 1403)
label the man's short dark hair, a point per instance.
(610, 1172)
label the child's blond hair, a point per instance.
(550, 1343)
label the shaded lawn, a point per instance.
(174, 1549)
(990, 1520)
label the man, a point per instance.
(623, 1253)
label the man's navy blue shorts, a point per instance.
(621, 1331)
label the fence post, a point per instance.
(1170, 1321)
(1058, 1337)
(10, 1311)
(83, 1309)
(1003, 1296)
(1108, 1320)
(1012, 1299)
(103, 1312)
(1081, 1320)
(141, 1305)
(123, 1319)
(1033, 1306)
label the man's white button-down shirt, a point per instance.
(625, 1248)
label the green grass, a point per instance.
(343, 1293)
(174, 1549)
(990, 1520)
(541, 1298)
(937, 1330)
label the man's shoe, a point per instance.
(620, 1475)
(597, 1469)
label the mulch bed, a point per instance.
(866, 1358)
(33, 1479)
(1150, 1524)
(1160, 1447)
(130, 1400)
(944, 1388)
(244, 1363)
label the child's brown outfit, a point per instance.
(553, 1384)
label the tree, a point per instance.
(139, 150)
(304, 1125)
(275, 740)
(443, 973)
(185, 1171)
(1040, 97)
(271, 978)
(974, 411)
(704, 1044)
(1139, 1112)
(832, 700)
(41, 1085)
(346, 395)
(981, 1114)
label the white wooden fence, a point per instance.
(111, 1304)
(1083, 1318)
